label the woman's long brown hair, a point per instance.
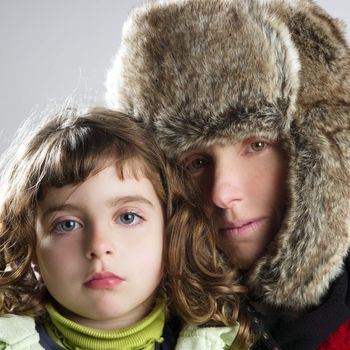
(204, 286)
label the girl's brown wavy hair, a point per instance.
(66, 149)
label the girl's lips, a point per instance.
(103, 280)
(241, 228)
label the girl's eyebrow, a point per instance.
(128, 199)
(54, 208)
(122, 200)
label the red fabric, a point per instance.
(339, 340)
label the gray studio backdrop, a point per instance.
(51, 50)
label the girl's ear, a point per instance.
(35, 266)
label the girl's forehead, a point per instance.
(104, 185)
(134, 169)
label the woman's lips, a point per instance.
(240, 228)
(103, 280)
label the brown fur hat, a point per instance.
(203, 71)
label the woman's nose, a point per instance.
(227, 185)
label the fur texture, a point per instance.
(204, 71)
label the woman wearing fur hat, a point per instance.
(254, 98)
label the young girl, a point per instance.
(85, 205)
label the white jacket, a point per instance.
(18, 333)
(206, 338)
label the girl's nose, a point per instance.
(98, 243)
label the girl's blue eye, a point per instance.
(129, 218)
(66, 226)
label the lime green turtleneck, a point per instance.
(141, 335)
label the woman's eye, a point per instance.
(257, 146)
(66, 226)
(129, 218)
(195, 164)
